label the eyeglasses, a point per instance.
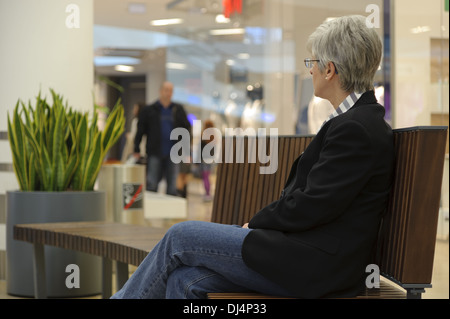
(309, 64)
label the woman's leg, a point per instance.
(192, 259)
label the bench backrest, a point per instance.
(408, 234)
(241, 190)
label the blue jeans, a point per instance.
(159, 168)
(193, 259)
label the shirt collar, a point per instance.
(162, 107)
(346, 105)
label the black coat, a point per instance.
(149, 124)
(317, 238)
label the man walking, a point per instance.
(157, 121)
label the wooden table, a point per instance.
(122, 243)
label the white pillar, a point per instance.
(156, 75)
(43, 44)
(153, 84)
(280, 67)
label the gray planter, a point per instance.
(49, 207)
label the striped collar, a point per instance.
(346, 105)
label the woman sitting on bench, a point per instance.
(317, 238)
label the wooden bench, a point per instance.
(407, 237)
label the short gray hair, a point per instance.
(353, 47)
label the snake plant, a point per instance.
(56, 148)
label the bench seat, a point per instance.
(386, 291)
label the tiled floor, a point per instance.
(440, 279)
(200, 210)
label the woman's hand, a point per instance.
(245, 225)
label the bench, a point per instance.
(407, 237)
(405, 248)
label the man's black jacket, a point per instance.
(149, 124)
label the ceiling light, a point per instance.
(115, 60)
(176, 66)
(124, 68)
(163, 22)
(227, 31)
(243, 56)
(330, 19)
(137, 8)
(420, 29)
(220, 18)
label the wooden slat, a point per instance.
(246, 190)
(258, 182)
(386, 291)
(241, 295)
(250, 184)
(229, 182)
(236, 186)
(407, 147)
(220, 188)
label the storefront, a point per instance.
(240, 63)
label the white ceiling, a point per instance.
(200, 14)
(121, 33)
(117, 30)
(115, 12)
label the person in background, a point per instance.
(156, 122)
(317, 239)
(183, 176)
(128, 151)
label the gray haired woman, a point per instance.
(345, 57)
(316, 239)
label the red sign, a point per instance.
(231, 6)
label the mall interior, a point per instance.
(236, 63)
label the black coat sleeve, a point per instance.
(141, 128)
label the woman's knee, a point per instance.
(182, 227)
(187, 228)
